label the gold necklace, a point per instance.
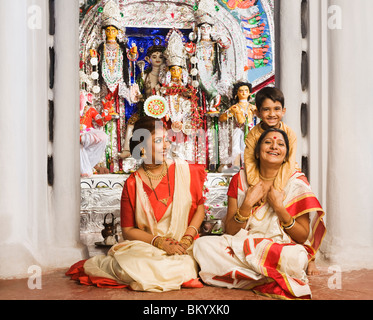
(165, 200)
(148, 167)
(265, 214)
(267, 179)
(156, 176)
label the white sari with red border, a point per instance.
(142, 266)
(261, 256)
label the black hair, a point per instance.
(145, 123)
(269, 93)
(238, 85)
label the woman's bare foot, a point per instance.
(312, 270)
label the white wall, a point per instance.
(350, 152)
(340, 97)
(39, 224)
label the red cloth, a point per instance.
(128, 201)
(92, 114)
(233, 185)
(76, 272)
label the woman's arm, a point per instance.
(231, 226)
(299, 228)
(196, 221)
(193, 228)
(133, 233)
(253, 195)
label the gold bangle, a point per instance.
(238, 220)
(196, 230)
(152, 242)
(158, 242)
(290, 225)
(187, 239)
(241, 217)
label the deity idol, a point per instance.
(149, 84)
(184, 114)
(112, 58)
(150, 78)
(242, 112)
(209, 56)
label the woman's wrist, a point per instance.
(241, 216)
(190, 232)
(187, 240)
(283, 215)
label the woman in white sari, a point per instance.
(162, 208)
(271, 235)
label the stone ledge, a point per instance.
(101, 194)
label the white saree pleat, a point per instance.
(142, 266)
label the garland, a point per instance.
(187, 91)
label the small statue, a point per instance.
(243, 113)
(110, 233)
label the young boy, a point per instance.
(270, 105)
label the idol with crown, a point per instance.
(208, 56)
(184, 113)
(106, 62)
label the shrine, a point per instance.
(216, 44)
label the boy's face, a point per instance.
(271, 113)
